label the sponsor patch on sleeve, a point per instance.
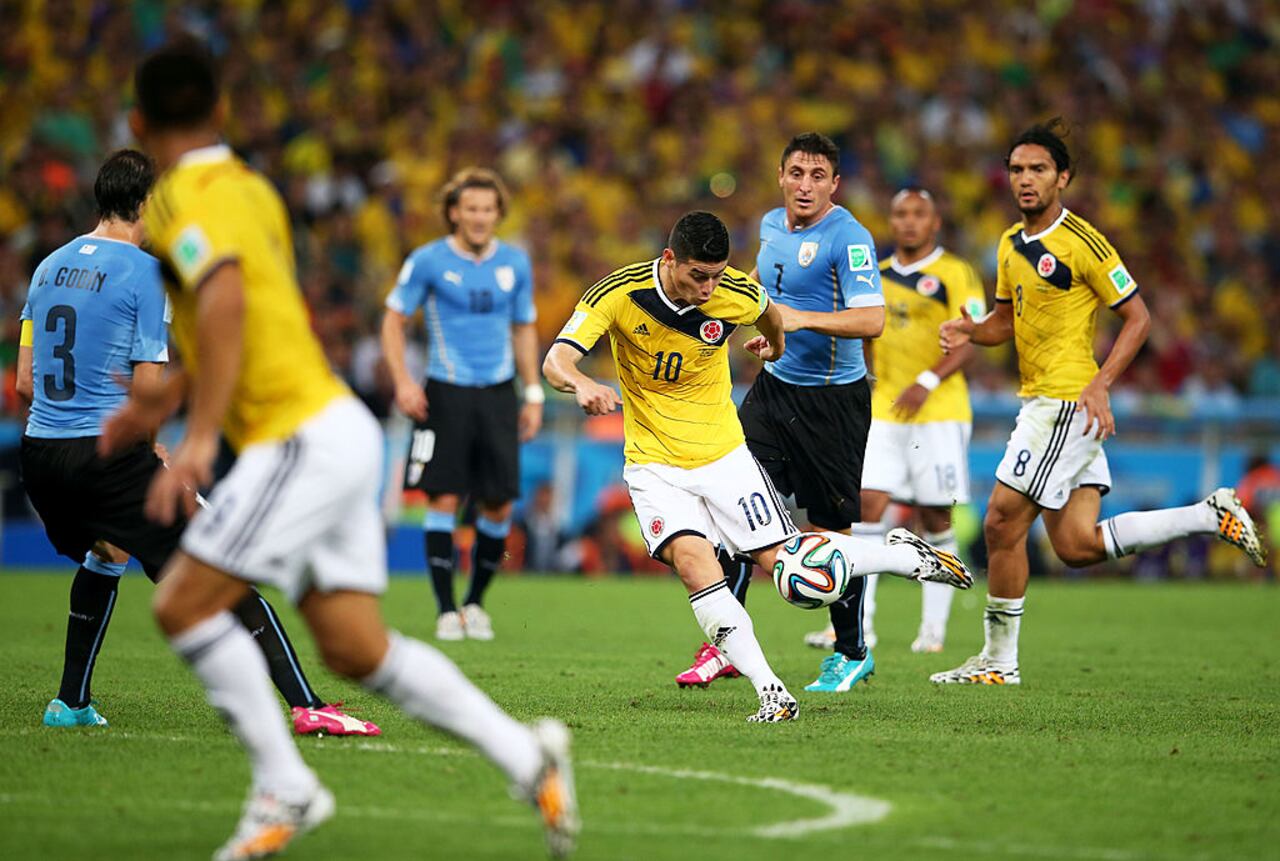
(405, 271)
(575, 321)
(190, 252)
(1121, 280)
(976, 307)
(860, 258)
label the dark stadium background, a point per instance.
(608, 120)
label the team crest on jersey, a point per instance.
(1047, 266)
(711, 331)
(506, 278)
(808, 251)
(928, 286)
(656, 526)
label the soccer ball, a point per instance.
(811, 572)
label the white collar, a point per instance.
(205, 155)
(456, 247)
(1025, 238)
(662, 294)
(89, 237)
(918, 265)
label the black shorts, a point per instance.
(811, 440)
(469, 443)
(83, 499)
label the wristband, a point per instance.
(534, 395)
(928, 380)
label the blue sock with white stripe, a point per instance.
(93, 597)
(260, 619)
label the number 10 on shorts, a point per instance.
(755, 505)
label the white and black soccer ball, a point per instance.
(810, 571)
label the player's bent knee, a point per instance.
(355, 660)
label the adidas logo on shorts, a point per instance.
(642, 329)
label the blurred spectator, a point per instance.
(609, 119)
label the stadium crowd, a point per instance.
(608, 119)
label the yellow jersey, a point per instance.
(1056, 281)
(918, 299)
(673, 362)
(210, 209)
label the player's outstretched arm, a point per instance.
(410, 397)
(1095, 400)
(560, 367)
(995, 328)
(849, 323)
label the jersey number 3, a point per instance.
(62, 351)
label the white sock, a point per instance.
(871, 557)
(729, 629)
(1001, 622)
(935, 598)
(874, 533)
(234, 673)
(1139, 530)
(430, 688)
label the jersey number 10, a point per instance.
(671, 371)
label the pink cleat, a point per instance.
(330, 720)
(708, 665)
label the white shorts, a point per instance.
(1049, 455)
(729, 501)
(919, 464)
(301, 513)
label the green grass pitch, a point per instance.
(1146, 728)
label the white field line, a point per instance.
(846, 809)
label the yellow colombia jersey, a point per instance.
(918, 299)
(1057, 280)
(672, 362)
(210, 208)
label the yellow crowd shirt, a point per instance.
(1056, 281)
(211, 209)
(918, 299)
(672, 361)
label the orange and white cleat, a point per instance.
(978, 670)
(1235, 526)
(553, 793)
(936, 565)
(330, 720)
(268, 825)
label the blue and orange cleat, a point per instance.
(58, 713)
(840, 673)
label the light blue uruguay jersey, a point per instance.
(828, 266)
(469, 306)
(96, 306)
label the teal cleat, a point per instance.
(59, 713)
(840, 673)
